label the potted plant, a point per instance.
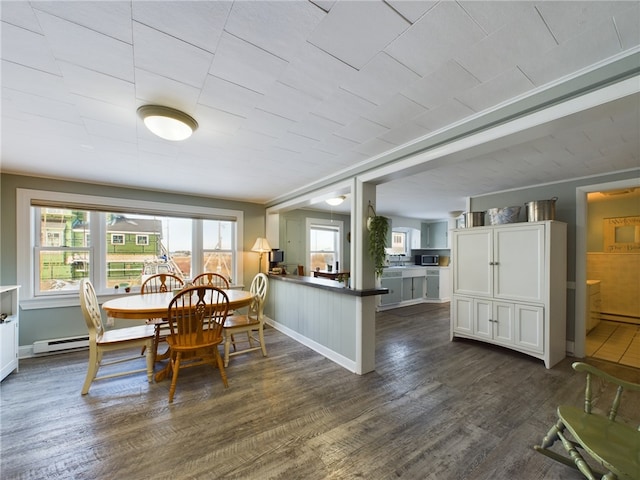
(378, 227)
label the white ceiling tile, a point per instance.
(441, 34)
(40, 106)
(315, 72)
(380, 79)
(574, 54)
(443, 84)
(405, 133)
(116, 56)
(628, 25)
(397, 110)
(27, 48)
(267, 123)
(373, 147)
(245, 64)
(335, 144)
(325, 5)
(227, 96)
(507, 47)
(156, 89)
(20, 14)
(37, 82)
(295, 142)
(188, 64)
(343, 107)
(492, 15)
(571, 19)
(275, 26)
(443, 115)
(496, 90)
(89, 83)
(361, 129)
(314, 126)
(198, 23)
(111, 18)
(114, 131)
(211, 119)
(287, 102)
(411, 10)
(354, 32)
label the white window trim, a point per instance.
(117, 235)
(322, 222)
(145, 237)
(25, 235)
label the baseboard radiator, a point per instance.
(59, 344)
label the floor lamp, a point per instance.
(261, 246)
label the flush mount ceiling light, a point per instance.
(167, 123)
(335, 201)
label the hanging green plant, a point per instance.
(378, 227)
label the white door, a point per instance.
(519, 266)
(462, 315)
(482, 321)
(472, 254)
(502, 321)
(529, 323)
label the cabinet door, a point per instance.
(472, 253)
(418, 287)
(433, 286)
(519, 263)
(482, 318)
(502, 322)
(8, 352)
(529, 327)
(395, 290)
(462, 315)
(407, 288)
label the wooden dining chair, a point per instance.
(160, 283)
(612, 444)
(211, 279)
(196, 317)
(101, 340)
(251, 323)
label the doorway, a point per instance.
(611, 264)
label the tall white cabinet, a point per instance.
(9, 330)
(509, 287)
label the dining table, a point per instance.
(156, 305)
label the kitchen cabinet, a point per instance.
(405, 284)
(9, 329)
(438, 285)
(434, 235)
(412, 288)
(509, 287)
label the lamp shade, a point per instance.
(335, 201)
(167, 123)
(261, 245)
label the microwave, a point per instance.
(427, 259)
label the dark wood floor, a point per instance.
(433, 409)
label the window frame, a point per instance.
(26, 236)
(323, 222)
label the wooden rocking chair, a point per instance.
(615, 446)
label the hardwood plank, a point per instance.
(432, 409)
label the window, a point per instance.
(142, 239)
(398, 243)
(324, 243)
(104, 240)
(117, 239)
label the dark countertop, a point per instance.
(325, 284)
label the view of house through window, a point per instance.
(135, 247)
(324, 246)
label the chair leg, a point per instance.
(223, 374)
(227, 348)
(174, 380)
(150, 357)
(92, 369)
(261, 336)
